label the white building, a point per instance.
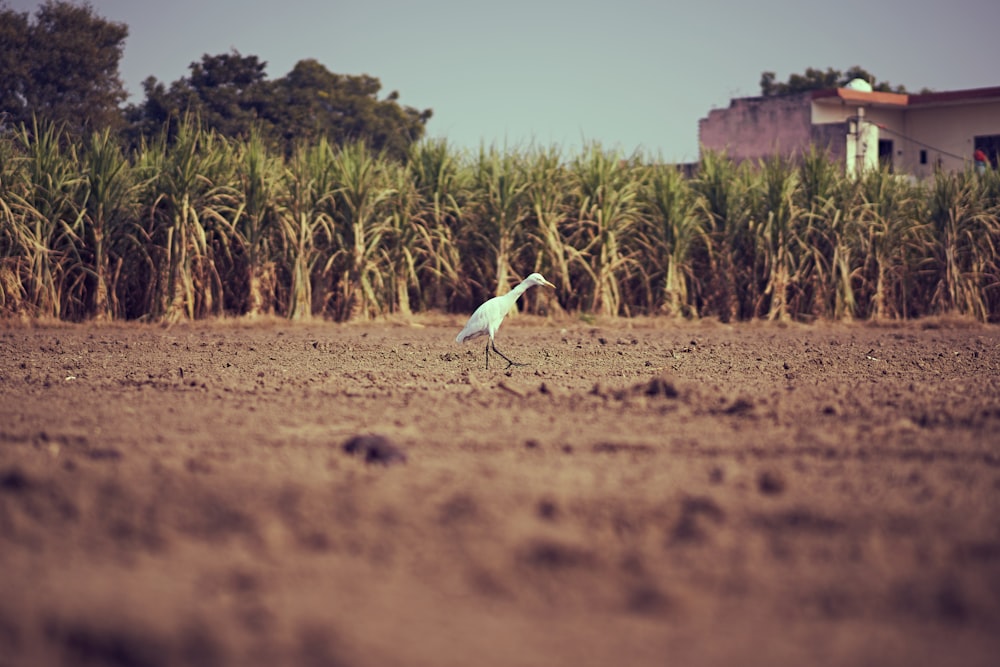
(913, 134)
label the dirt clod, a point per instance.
(771, 482)
(660, 386)
(375, 449)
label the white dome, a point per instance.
(859, 84)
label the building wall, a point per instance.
(948, 133)
(879, 123)
(889, 125)
(756, 127)
(829, 137)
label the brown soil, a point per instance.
(641, 493)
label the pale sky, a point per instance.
(630, 74)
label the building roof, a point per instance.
(847, 96)
(957, 97)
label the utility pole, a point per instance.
(859, 143)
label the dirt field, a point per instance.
(641, 493)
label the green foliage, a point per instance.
(62, 67)
(672, 230)
(892, 238)
(255, 222)
(187, 198)
(777, 226)
(225, 92)
(548, 194)
(816, 79)
(965, 255)
(499, 212)
(722, 200)
(360, 223)
(443, 189)
(607, 214)
(231, 94)
(824, 196)
(44, 234)
(305, 220)
(310, 101)
(109, 202)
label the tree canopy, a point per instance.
(312, 101)
(63, 66)
(231, 94)
(225, 91)
(816, 79)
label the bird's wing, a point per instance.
(485, 320)
(478, 325)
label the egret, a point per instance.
(487, 318)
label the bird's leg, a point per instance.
(506, 358)
(487, 355)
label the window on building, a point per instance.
(885, 153)
(989, 144)
(923, 156)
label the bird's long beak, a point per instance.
(548, 284)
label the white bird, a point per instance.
(487, 318)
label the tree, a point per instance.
(13, 65)
(231, 94)
(313, 102)
(815, 79)
(63, 67)
(225, 92)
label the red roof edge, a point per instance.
(902, 99)
(956, 95)
(850, 95)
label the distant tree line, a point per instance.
(817, 79)
(61, 66)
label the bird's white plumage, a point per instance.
(487, 318)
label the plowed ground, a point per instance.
(640, 493)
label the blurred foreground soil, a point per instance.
(640, 493)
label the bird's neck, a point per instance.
(518, 290)
(512, 296)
